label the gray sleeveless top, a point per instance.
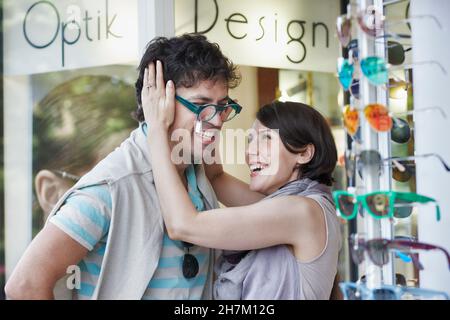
(275, 273)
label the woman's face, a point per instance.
(271, 164)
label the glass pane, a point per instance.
(78, 118)
(227, 114)
(207, 113)
(403, 209)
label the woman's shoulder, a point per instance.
(295, 202)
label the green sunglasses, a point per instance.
(206, 112)
(380, 204)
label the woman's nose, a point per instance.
(252, 149)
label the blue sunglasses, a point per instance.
(375, 69)
(355, 291)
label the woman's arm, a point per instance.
(231, 191)
(285, 220)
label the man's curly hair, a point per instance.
(187, 60)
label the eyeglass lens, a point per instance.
(379, 204)
(347, 204)
(210, 111)
(378, 252)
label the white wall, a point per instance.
(18, 177)
(431, 88)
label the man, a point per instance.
(110, 224)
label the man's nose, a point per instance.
(217, 120)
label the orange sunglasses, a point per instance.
(377, 116)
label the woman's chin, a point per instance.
(257, 187)
(254, 187)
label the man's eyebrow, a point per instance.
(205, 98)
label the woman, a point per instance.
(290, 239)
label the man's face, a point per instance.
(205, 92)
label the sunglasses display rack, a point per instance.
(370, 205)
(366, 110)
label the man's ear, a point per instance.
(306, 155)
(48, 189)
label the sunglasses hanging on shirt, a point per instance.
(190, 265)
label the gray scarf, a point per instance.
(268, 273)
(301, 187)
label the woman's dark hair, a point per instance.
(187, 60)
(300, 125)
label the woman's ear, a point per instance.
(306, 155)
(49, 189)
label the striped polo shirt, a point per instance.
(85, 217)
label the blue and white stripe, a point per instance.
(86, 217)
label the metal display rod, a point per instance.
(372, 180)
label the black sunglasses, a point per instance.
(400, 280)
(401, 132)
(190, 262)
(403, 168)
(396, 52)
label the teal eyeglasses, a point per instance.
(206, 112)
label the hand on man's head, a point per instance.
(158, 98)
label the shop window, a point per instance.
(79, 117)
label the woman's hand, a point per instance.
(158, 100)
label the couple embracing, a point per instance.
(144, 225)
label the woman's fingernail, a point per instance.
(170, 83)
